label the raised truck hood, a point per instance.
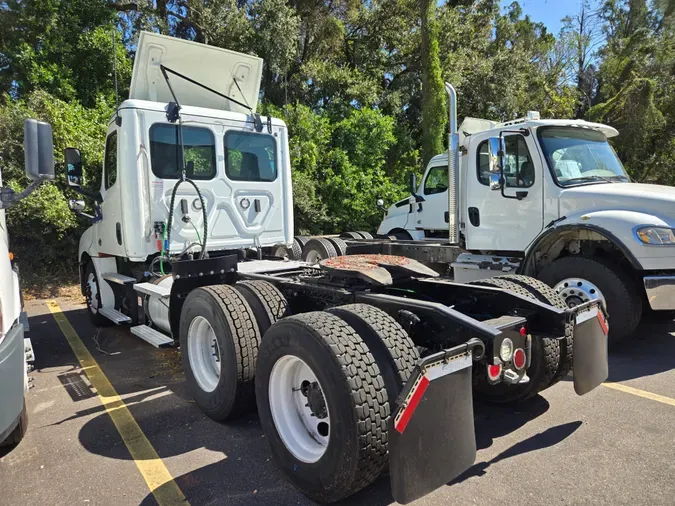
(647, 198)
(211, 66)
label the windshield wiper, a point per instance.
(585, 179)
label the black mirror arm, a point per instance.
(89, 194)
(520, 195)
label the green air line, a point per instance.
(196, 231)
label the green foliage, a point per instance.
(43, 230)
(360, 85)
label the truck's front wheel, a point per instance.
(580, 279)
(92, 295)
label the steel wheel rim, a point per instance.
(576, 291)
(314, 257)
(203, 353)
(92, 293)
(281, 251)
(305, 434)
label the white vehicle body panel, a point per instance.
(212, 66)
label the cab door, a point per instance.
(504, 223)
(430, 215)
(109, 229)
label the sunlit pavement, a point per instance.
(613, 446)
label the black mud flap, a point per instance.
(591, 366)
(431, 436)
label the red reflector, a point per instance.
(494, 371)
(412, 405)
(523, 332)
(603, 322)
(519, 358)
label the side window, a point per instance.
(110, 164)
(436, 181)
(250, 157)
(518, 167)
(200, 148)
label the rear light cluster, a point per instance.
(507, 354)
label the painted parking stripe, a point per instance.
(641, 393)
(154, 472)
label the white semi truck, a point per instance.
(354, 362)
(16, 352)
(548, 199)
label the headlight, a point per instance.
(506, 350)
(655, 235)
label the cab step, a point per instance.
(152, 336)
(114, 315)
(117, 278)
(152, 289)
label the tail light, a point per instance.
(494, 372)
(519, 359)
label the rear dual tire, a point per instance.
(219, 340)
(361, 358)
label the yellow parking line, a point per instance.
(641, 393)
(155, 473)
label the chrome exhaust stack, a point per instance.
(453, 167)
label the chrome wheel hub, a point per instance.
(575, 291)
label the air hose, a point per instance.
(167, 241)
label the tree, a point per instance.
(433, 99)
(581, 36)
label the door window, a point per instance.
(250, 157)
(436, 181)
(518, 167)
(200, 148)
(110, 164)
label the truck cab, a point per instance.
(190, 169)
(550, 199)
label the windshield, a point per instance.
(579, 155)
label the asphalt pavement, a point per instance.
(613, 446)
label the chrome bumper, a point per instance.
(660, 292)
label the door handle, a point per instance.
(474, 216)
(256, 205)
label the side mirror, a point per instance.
(380, 204)
(413, 183)
(495, 181)
(73, 159)
(38, 146)
(76, 205)
(496, 150)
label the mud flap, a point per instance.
(591, 366)
(431, 436)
